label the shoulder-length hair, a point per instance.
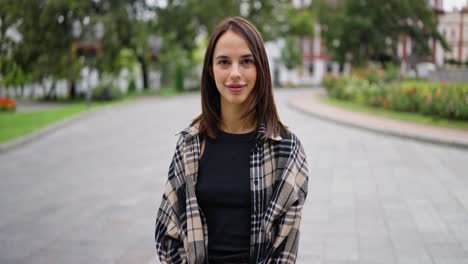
(260, 102)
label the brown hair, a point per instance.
(260, 102)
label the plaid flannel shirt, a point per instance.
(278, 187)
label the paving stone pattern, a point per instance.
(88, 193)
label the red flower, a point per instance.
(7, 104)
(385, 103)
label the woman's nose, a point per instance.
(235, 73)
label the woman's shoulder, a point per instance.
(190, 130)
(187, 134)
(289, 137)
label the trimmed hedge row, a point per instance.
(448, 100)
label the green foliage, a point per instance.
(126, 59)
(435, 99)
(106, 92)
(301, 22)
(131, 86)
(403, 116)
(290, 53)
(392, 73)
(175, 64)
(359, 31)
(46, 30)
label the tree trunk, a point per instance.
(52, 91)
(33, 91)
(144, 72)
(72, 89)
(44, 90)
(179, 78)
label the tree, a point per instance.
(358, 31)
(125, 27)
(43, 29)
(47, 31)
(300, 24)
(290, 53)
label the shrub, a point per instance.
(106, 92)
(131, 86)
(436, 99)
(7, 104)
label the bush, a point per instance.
(435, 99)
(106, 92)
(131, 86)
(7, 104)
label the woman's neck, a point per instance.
(232, 122)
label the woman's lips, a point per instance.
(235, 87)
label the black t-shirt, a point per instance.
(223, 194)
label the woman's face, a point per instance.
(234, 69)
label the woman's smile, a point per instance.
(236, 88)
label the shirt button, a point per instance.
(255, 182)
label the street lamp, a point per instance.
(87, 46)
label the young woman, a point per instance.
(238, 179)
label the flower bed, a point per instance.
(7, 104)
(447, 100)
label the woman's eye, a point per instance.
(223, 62)
(248, 61)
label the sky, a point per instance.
(449, 4)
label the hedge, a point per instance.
(447, 100)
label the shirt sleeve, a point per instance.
(290, 199)
(168, 233)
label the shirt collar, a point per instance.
(193, 130)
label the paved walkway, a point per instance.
(88, 192)
(309, 102)
(25, 105)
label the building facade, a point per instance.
(455, 31)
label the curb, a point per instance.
(23, 140)
(356, 123)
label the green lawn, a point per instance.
(17, 124)
(14, 125)
(403, 116)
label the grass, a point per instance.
(403, 116)
(168, 92)
(16, 124)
